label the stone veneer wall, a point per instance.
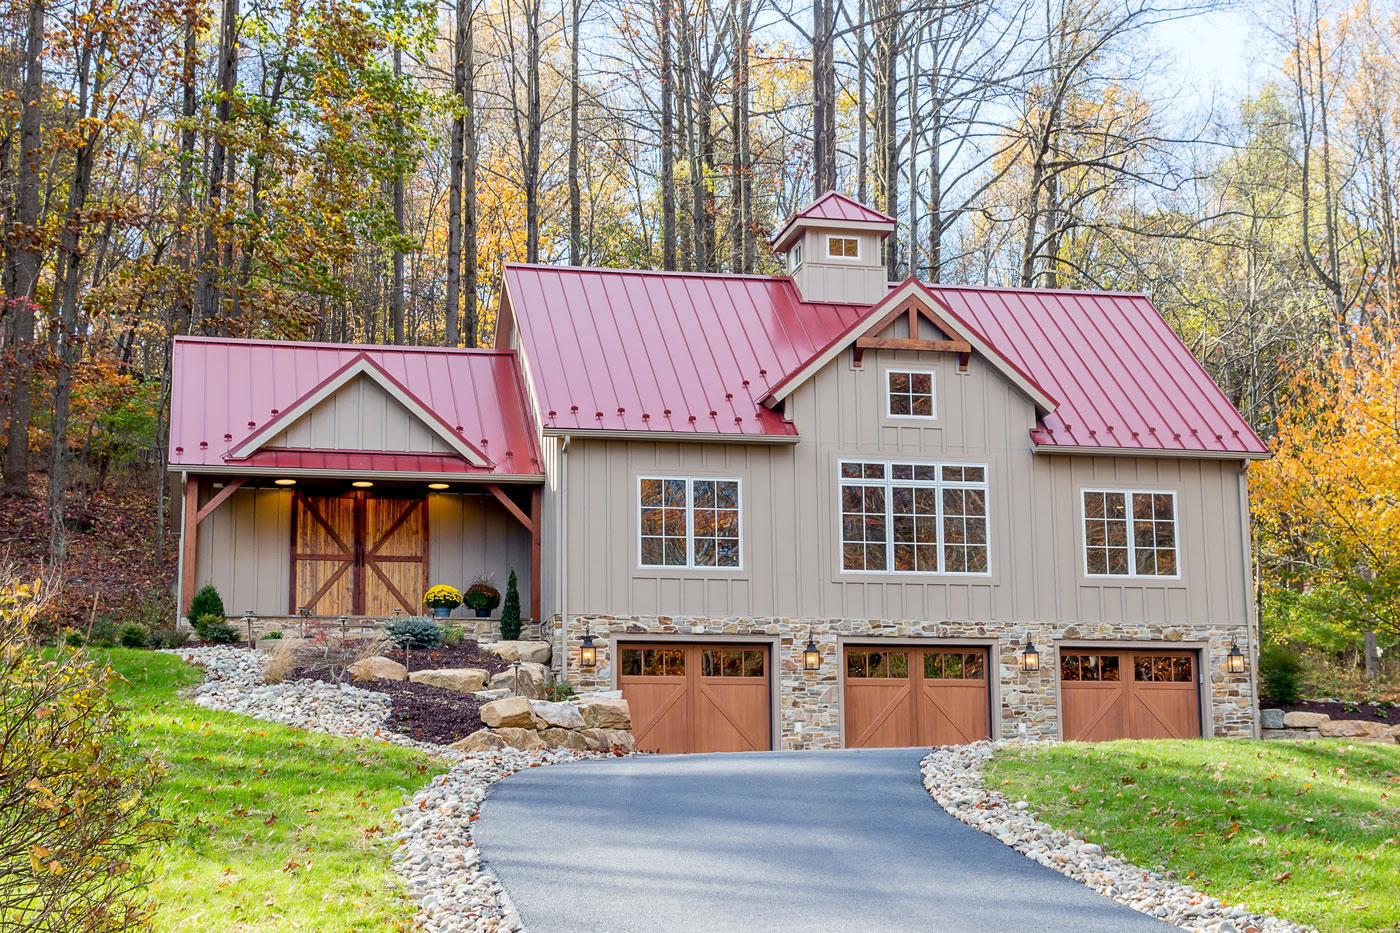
(477, 629)
(811, 699)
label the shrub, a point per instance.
(80, 827)
(481, 595)
(415, 632)
(207, 602)
(167, 636)
(510, 612)
(453, 634)
(560, 691)
(1281, 673)
(74, 638)
(270, 636)
(220, 633)
(103, 634)
(133, 635)
(202, 624)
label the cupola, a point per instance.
(834, 250)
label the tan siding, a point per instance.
(361, 416)
(790, 519)
(473, 534)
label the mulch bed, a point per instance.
(428, 714)
(1381, 712)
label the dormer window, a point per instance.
(843, 247)
(795, 258)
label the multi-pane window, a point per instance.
(731, 662)
(910, 394)
(913, 518)
(954, 665)
(843, 247)
(1091, 667)
(1130, 534)
(653, 662)
(865, 664)
(1168, 669)
(688, 522)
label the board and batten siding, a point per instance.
(790, 516)
(244, 547)
(361, 416)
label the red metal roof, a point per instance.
(836, 206)
(667, 352)
(225, 391)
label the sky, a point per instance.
(1220, 53)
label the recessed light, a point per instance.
(438, 486)
(285, 482)
(362, 484)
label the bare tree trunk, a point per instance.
(1372, 655)
(219, 167)
(396, 297)
(886, 120)
(747, 235)
(533, 121)
(23, 275)
(469, 153)
(862, 107)
(185, 193)
(575, 195)
(823, 95)
(668, 143)
(452, 319)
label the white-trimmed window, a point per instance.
(1129, 533)
(688, 522)
(913, 518)
(909, 394)
(843, 247)
(795, 257)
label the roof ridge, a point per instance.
(680, 273)
(1032, 290)
(358, 347)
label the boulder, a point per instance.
(510, 712)
(563, 715)
(1291, 734)
(459, 679)
(612, 738)
(1297, 720)
(521, 738)
(1354, 729)
(565, 738)
(1271, 718)
(377, 668)
(534, 678)
(480, 741)
(605, 714)
(534, 651)
(1395, 732)
(486, 696)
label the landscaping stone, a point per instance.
(1291, 734)
(1271, 718)
(1297, 720)
(535, 651)
(953, 777)
(600, 713)
(521, 737)
(611, 738)
(565, 738)
(458, 679)
(534, 678)
(563, 715)
(480, 741)
(378, 668)
(510, 712)
(1355, 729)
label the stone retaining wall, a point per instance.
(362, 627)
(1301, 725)
(809, 701)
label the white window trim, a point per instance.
(842, 236)
(690, 522)
(933, 391)
(939, 484)
(795, 256)
(1132, 573)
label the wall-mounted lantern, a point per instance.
(587, 652)
(1030, 658)
(1234, 661)
(811, 657)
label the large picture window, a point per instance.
(913, 518)
(1129, 534)
(686, 522)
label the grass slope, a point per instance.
(1309, 831)
(278, 829)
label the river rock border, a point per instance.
(437, 857)
(953, 777)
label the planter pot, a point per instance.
(483, 613)
(441, 612)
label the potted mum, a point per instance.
(442, 599)
(482, 597)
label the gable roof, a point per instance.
(231, 397)
(832, 208)
(692, 355)
(876, 318)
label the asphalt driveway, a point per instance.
(841, 840)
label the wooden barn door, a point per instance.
(358, 555)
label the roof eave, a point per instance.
(711, 437)
(235, 469)
(1157, 453)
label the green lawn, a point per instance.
(1309, 831)
(278, 829)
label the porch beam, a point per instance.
(537, 523)
(510, 505)
(189, 535)
(218, 499)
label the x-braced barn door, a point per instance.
(357, 554)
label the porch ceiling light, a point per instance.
(438, 486)
(1234, 661)
(587, 652)
(1030, 658)
(362, 484)
(284, 482)
(811, 657)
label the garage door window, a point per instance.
(653, 662)
(866, 664)
(731, 662)
(1163, 670)
(1081, 667)
(953, 666)
(686, 522)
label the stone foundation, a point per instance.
(809, 701)
(361, 626)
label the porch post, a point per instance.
(189, 536)
(536, 497)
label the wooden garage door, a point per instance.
(1106, 694)
(697, 698)
(903, 696)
